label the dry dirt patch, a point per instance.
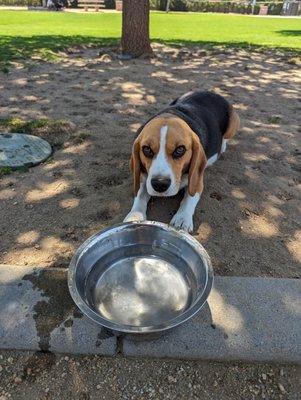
(248, 218)
(45, 376)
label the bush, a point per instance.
(24, 3)
(220, 7)
(110, 4)
(154, 4)
(178, 5)
(274, 8)
(175, 5)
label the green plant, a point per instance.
(178, 5)
(274, 119)
(110, 4)
(220, 7)
(23, 168)
(18, 125)
(21, 3)
(275, 8)
(80, 137)
(4, 68)
(5, 171)
(175, 5)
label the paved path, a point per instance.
(251, 319)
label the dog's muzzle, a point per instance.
(160, 184)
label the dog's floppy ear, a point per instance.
(197, 167)
(135, 165)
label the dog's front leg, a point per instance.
(183, 219)
(138, 211)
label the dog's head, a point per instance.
(165, 150)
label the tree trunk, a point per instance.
(135, 28)
(167, 6)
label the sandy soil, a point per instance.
(248, 217)
(26, 375)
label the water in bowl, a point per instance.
(140, 291)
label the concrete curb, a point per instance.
(251, 319)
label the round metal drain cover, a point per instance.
(18, 150)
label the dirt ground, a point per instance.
(42, 376)
(248, 218)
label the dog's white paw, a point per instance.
(135, 216)
(182, 220)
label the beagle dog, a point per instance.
(173, 149)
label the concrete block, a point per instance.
(250, 319)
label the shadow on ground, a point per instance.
(290, 32)
(13, 48)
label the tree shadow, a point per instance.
(290, 32)
(211, 44)
(14, 48)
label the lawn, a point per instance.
(24, 33)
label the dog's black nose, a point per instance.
(160, 184)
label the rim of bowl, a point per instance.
(169, 324)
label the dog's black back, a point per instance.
(207, 114)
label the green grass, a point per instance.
(20, 126)
(5, 171)
(24, 34)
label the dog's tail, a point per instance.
(233, 124)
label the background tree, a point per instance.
(167, 6)
(135, 28)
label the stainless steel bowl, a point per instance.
(140, 277)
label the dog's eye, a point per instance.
(179, 152)
(148, 152)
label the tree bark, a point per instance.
(167, 6)
(135, 28)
